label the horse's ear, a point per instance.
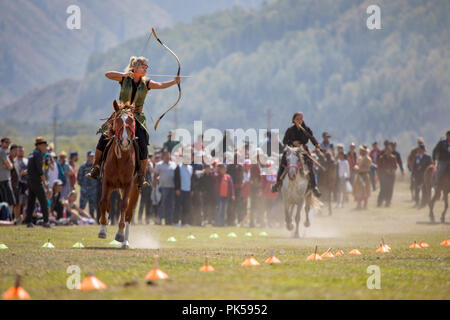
(116, 106)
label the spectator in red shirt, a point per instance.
(224, 192)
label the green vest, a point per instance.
(127, 88)
(124, 97)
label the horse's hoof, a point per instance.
(102, 232)
(307, 224)
(125, 245)
(296, 235)
(290, 226)
(442, 220)
(119, 237)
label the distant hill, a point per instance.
(38, 49)
(314, 56)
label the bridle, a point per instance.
(125, 125)
(118, 130)
(299, 166)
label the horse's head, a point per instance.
(124, 125)
(293, 161)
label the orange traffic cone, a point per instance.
(272, 259)
(423, 244)
(207, 267)
(355, 252)
(156, 273)
(327, 254)
(445, 243)
(250, 261)
(415, 245)
(92, 283)
(16, 292)
(383, 249)
(314, 256)
(340, 253)
(385, 245)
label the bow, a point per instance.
(178, 73)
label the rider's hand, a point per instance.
(318, 147)
(177, 192)
(296, 143)
(177, 79)
(129, 75)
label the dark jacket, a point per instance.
(35, 171)
(442, 151)
(399, 159)
(387, 164)
(207, 184)
(293, 133)
(236, 172)
(420, 165)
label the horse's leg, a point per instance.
(297, 218)
(307, 207)
(330, 210)
(445, 195)
(123, 206)
(432, 202)
(131, 203)
(288, 216)
(106, 192)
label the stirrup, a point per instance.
(94, 173)
(276, 187)
(141, 182)
(316, 192)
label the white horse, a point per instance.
(294, 189)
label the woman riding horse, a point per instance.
(296, 135)
(133, 91)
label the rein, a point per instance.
(118, 147)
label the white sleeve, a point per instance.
(347, 169)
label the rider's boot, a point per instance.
(276, 187)
(141, 182)
(95, 170)
(312, 183)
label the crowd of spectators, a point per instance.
(184, 193)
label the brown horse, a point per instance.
(442, 186)
(326, 177)
(119, 171)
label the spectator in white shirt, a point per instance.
(343, 177)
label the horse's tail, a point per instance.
(315, 203)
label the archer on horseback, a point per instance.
(134, 87)
(298, 134)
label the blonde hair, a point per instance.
(135, 62)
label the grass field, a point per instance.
(405, 273)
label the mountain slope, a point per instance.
(38, 49)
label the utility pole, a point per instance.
(55, 126)
(175, 120)
(269, 118)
